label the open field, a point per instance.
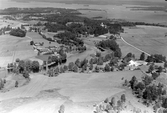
(147, 38)
(73, 88)
(38, 38)
(14, 47)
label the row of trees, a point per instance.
(24, 67)
(156, 58)
(111, 104)
(95, 64)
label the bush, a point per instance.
(65, 68)
(1, 84)
(61, 70)
(107, 68)
(123, 98)
(91, 67)
(97, 69)
(26, 74)
(142, 56)
(100, 61)
(35, 66)
(70, 66)
(78, 63)
(17, 60)
(113, 101)
(16, 84)
(31, 42)
(75, 68)
(155, 75)
(98, 54)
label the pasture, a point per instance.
(147, 38)
(14, 47)
(71, 89)
(39, 39)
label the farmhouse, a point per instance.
(134, 64)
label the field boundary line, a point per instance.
(134, 46)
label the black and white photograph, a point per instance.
(83, 56)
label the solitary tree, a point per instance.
(62, 109)
(16, 84)
(78, 63)
(113, 101)
(65, 68)
(123, 98)
(1, 84)
(70, 66)
(142, 56)
(75, 68)
(35, 66)
(107, 68)
(26, 74)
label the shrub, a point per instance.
(98, 54)
(17, 60)
(123, 98)
(35, 66)
(75, 68)
(31, 42)
(70, 66)
(97, 69)
(61, 70)
(142, 56)
(113, 101)
(107, 68)
(91, 67)
(62, 109)
(26, 74)
(100, 61)
(78, 63)
(65, 68)
(1, 84)
(16, 84)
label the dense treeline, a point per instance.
(54, 27)
(156, 58)
(18, 32)
(82, 25)
(69, 38)
(147, 91)
(15, 10)
(111, 44)
(95, 64)
(23, 67)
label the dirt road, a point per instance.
(134, 46)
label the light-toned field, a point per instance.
(38, 38)
(73, 89)
(147, 38)
(14, 47)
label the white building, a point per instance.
(134, 64)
